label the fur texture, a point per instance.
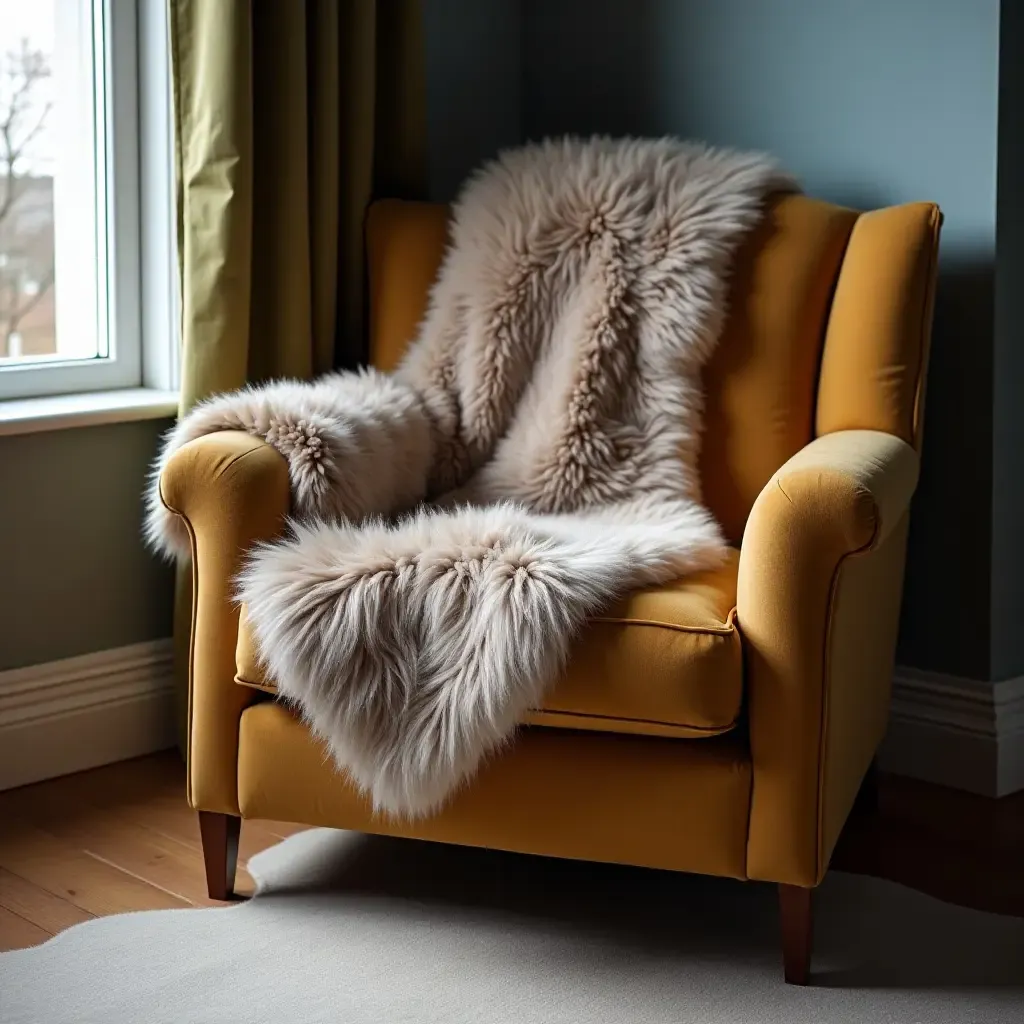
(414, 649)
(357, 444)
(550, 410)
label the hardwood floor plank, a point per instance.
(149, 792)
(169, 865)
(956, 846)
(284, 829)
(124, 782)
(41, 908)
(100, 830)
(164, 862)
(17, 933)
(122, 838)
(51, 864)
(137, 820)
(178, 821)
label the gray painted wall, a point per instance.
(474, 75)
(870, 103)
(75, 577)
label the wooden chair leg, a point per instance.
(867, 802)
(795, 913)
(220, 852)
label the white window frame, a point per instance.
(158, 233)
(136, 194)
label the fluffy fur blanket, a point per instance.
(549, 411)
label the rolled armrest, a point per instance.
(231, 491)
(820, 581)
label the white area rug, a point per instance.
(349, 929)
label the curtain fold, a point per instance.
(290, 117)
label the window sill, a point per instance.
(89, 409)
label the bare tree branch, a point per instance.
(27, 254)
(26, 69)
(27, 138)
(14, 316)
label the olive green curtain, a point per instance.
(290, 116)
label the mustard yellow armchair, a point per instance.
(721, 724)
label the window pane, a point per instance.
(51, 178)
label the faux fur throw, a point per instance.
(549, 411)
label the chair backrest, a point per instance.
(828, 329)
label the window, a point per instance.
(85, 161)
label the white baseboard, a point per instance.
(964, 733)
(77, 713)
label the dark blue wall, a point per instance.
(474, 86)
(869, 102)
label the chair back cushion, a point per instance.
(829, 313)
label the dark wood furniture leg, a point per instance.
(796, 919)
(220, 852)
(866, 802)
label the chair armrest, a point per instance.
(231, 491)
(820, 581)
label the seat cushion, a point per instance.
(666, 661)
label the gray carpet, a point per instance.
(352, 929)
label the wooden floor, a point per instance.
(958, 847)
(122, 838)
(111, 840)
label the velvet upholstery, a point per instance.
(666, 661)
(813, 424)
